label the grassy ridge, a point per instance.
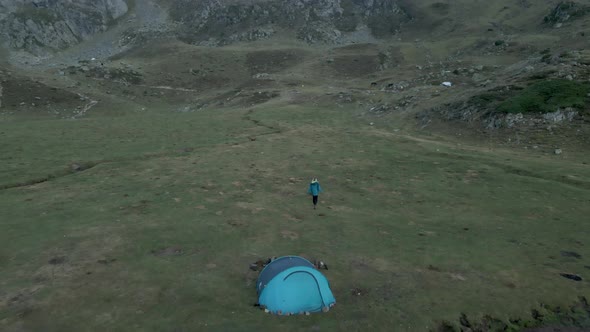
(548, 96)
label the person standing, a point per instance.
(314, 190)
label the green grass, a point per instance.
(428, 230)
(547, 96)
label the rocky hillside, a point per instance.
(41, 25)
(215, 22)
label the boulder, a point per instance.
(558, 116)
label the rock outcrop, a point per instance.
(39, 25)
(314, 21)
(566, 11)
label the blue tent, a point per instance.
(292, 285)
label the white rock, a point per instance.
(447, 84)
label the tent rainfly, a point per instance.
(291, 285)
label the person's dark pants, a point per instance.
(315, 200)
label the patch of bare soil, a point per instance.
(273, 61)
(27, 95)
(354, 65)
(168, 251)
(21, 304)
(358, 291)
(136, 208)
(289, 235)
(57, 260)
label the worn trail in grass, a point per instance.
(415, 230)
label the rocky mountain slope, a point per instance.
(39, 26)
(222, 22)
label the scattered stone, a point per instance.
(185, 109)
(570, 276)
(557, 151)
(260, 76)
(447, 84)
(106, 261)
(457, 276)
(561, 115)
(320, 264)
(76, 167)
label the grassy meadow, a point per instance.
(158, 231)
(145, 212)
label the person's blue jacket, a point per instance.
(314, 189)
